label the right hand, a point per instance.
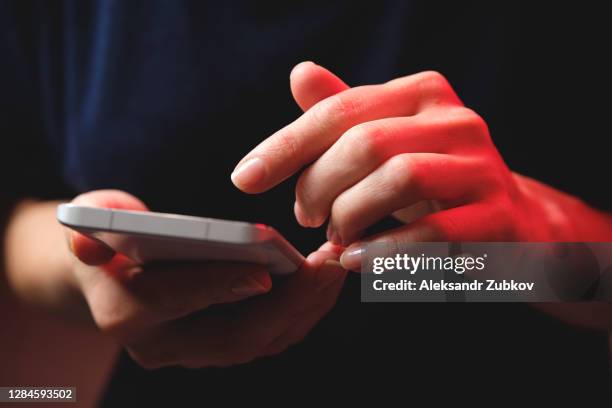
(151, 309)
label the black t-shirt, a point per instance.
(162, 99)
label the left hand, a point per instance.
(408, 147)
(160, 312)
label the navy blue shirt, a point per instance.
(162, 99)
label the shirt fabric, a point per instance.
(162, 99)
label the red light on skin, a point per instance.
(121, 267)
(261, 226)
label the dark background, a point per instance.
(537, 74)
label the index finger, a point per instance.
(303, 141)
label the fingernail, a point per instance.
(329, 273)
(248, 286)
(351, 258)
(249, 173)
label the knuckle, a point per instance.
(472, 124)
(365, 138)
(404, 175)
(334, 108)
(468, 124)
(340, 105)
(432, 75)
(325, 110)
(433, 83)
(461, 123)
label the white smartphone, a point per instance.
(148, 236)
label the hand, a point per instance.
(408, 148)
(152, 310)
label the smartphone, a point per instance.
(149, 236)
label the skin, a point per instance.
(149, 309)
(407, 148)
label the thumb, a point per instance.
(311, 83)
(86, 249)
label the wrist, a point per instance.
(553, 215)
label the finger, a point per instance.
(328, 246)
(294, 311)
(366, 146)
(402, 181)
(318, 258)
(211, 339)
(311, 83)
(298, 331)
(86, 249)
(308, 289)
(304, 140)
(110, 199)
(415, 211)
(153, 294)
(481, 221)
(173, 290)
